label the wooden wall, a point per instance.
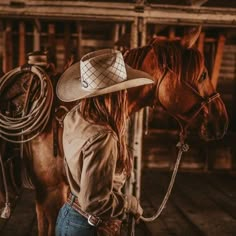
(64, 39)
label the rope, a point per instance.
(6, 211)
(182, 148)
(33, 121)
(28, 123)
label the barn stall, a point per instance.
(202, 201)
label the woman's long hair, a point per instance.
(110, 110)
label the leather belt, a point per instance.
(72, 200)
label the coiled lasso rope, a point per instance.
(183, 147)
(30, 121)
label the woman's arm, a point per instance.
(96, 194)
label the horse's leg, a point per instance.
(42, 220)
(48, 177)
(48, 205)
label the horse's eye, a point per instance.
(202, 77)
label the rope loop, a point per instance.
(32, 117)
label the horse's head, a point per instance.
(183, 87)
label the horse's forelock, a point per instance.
(193, 65)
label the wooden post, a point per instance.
(79, 39)
(1, 47)
(143, 30)
(200, 43)
(21, 43)
(134, 33)
(218, 59)
(67, 41)
(52, 43)
(37, 30)
(115, 37)
(172, 33)
(123, 29)
(7, 48)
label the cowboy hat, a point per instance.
(99, 72)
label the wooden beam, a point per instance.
(21, 60)
(154, 13)
(184, 15)
(218, 59)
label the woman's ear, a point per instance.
(191, 35)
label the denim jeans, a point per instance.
(71, 223)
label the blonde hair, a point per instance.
(110, 110)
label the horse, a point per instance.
(182, 87)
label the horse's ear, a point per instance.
(191, 35)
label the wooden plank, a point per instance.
(172, 33)
(224, 183)
(36, 34)
(218, 59)
(21, 43)
(52, 42)
(8, 48)
(203, 212)
(222, 196)
(171, 218)
(67, 41)
(79, 39)
(20, 223)
(156, 13)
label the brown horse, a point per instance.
(182, 87)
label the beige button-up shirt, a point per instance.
(90, 159)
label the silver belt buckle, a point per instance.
(91, 223)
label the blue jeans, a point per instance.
(71, 223)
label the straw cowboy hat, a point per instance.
(97, 73)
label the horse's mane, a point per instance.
(135, 57)
(185, 63)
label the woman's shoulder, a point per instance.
(75, 125)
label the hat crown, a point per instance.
(101, 69)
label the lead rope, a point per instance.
(183, 147)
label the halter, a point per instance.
(185, 123)
(183, 147)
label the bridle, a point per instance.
(183, 147)
(183, 122)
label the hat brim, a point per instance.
(69, 87)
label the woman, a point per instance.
(96, 158)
